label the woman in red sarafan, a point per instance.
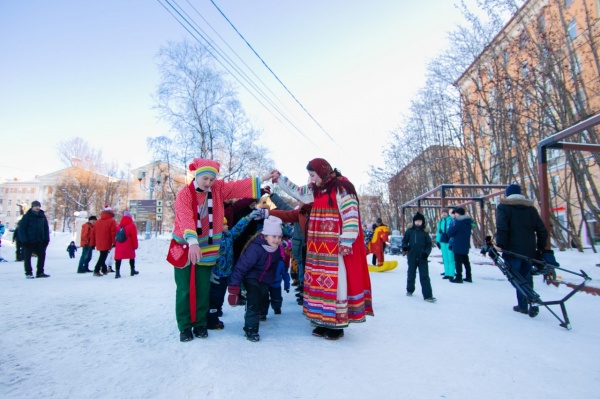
(337, 287)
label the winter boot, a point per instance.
(251, 334)
(118, 273)
(110, 269)
(319, 332)
(186, 335)
(457, 279)
(200, 332)
(133, 271)
(333, 334)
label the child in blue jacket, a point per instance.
(274, 297)
(256, 269)
(219, 277)
(71, 249)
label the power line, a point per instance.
(274, 75)
(209, 43)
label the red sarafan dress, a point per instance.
(337, 289)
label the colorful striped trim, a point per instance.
(206, 170)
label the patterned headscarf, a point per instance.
(322, 168)
(330, 178)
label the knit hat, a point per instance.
(92, 218)
(379, 220)
(272, 226)
(201, 166)
(107, 208)
(321, 167)
(460, 211)
(35, 203)
(513, 189)
(419, 216)
(126, 213)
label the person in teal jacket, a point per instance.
(442, 238)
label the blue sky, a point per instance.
(88, 69)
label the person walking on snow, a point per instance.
(71, 249)
(34, 233)
(460, 233)
(443, 239)
(86, 247)
(380, 237)
(103, 239)
(126, 249)
(519, 229)
(416, 243)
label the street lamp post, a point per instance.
(150, 188)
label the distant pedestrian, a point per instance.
(71, 249)
(126, 249)
(460, 233)
(380, 237)
(416, 243)
(34, 233)
(443, 239)
(103, 239)
(2, 230)
(17, 241)
(86, 246)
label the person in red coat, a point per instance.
(103, 238)
(126, 249)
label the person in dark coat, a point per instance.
(71, 249)
(34, 234)
(416, 243)
(460, 233)
(18, 247)
(519, 229)
(256, 268)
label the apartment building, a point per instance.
(538, 76)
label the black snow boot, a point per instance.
(186, 335)
(251, 334)
(133, 271)
(118, 272)
(200, 332)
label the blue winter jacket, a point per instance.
(256, 263)
(224, 264)
(460, 232)
(281, 274)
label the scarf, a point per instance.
(206, 208)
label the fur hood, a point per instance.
(463, 217)
(516, 199)
(410, 226)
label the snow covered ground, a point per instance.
(79, 336)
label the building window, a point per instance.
(568, 3)
(523, 41)
(541, 21)
(577, 65)
(9, 202)
(572, 29)
(7, 214)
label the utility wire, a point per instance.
(273, 73)
(208, 42)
